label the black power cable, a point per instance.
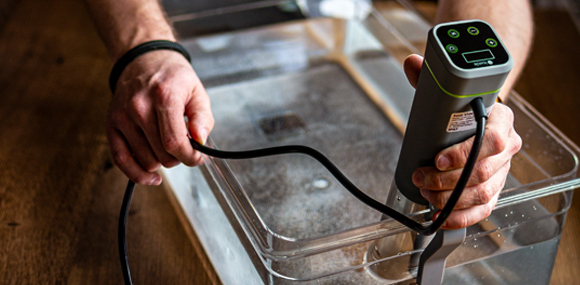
(122, 232)
(480, 117)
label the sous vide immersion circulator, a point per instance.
(463, 61)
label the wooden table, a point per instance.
(60, 194)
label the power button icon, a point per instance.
(473, 31)
(453, 33)
(491, 43)
(451, 48)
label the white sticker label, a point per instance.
(463, 121)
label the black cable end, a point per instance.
(122, 232)
(478, 108)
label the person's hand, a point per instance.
(145, 122)
(500, 143)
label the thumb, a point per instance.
(200, 118)
(412, 66)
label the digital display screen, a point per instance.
(479, 55)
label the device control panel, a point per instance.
(471, 45)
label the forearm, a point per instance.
(512, 20)
(123, 24)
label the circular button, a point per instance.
(473, 31)
(491, 43)
(451, 48)
(453, 33)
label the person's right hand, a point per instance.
(500, 143)
(145, 122)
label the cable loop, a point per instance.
(480, 117)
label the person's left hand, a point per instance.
(145, 122)
(500, 143)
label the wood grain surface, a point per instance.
(60, 195)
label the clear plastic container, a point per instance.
(337, 85)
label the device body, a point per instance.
(463, 60)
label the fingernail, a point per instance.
(418, 178)
(156, 181)
(443, 162)
(436, 214)
(203, 135)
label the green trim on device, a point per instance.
(455, 95)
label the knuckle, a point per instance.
(121, 158)
(137, 107)
(197, 87)
(463, 221)
(484, 194)
(509, 114)
(210, 122)
(439, 200)
(485, 171)
(517, 143)
(496, 140)
(463, 152)
(169, 162)
(192, 161)
(487, 209)
(162, 92)
(437, 180)
(171, 144)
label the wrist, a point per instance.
(141, 50)
(139, 38)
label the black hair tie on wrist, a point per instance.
(135, 52)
